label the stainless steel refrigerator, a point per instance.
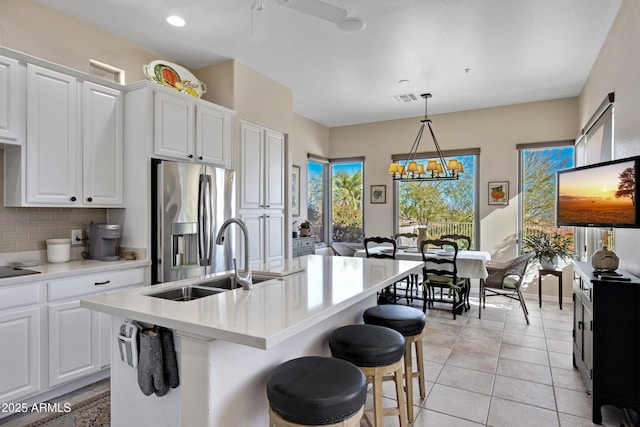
(190, 203)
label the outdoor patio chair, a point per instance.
(505, 278)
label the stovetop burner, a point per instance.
(9, 271)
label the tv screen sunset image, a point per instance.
(602, 195)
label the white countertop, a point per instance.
(72, 268)
(272, 311)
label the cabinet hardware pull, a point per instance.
(200, 157)
(190, 156)
(89, 199)
(73, 198)
(101, 283)
(580, 324)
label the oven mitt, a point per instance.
(150, 364)
(169, 358)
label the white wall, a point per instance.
(617, 69)
(496, 131)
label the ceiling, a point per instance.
(469, 53)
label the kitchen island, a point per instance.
(229, 342)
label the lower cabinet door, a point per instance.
(20, 357)
(104, 322)
(73, 342)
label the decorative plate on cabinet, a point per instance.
(175, 77)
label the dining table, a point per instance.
(470, 264)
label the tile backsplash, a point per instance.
(26, 229)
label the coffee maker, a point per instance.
(103, 241)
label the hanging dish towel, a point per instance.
(158, 366)
(128, 343)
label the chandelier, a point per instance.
(435, 170)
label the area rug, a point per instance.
(92, 412)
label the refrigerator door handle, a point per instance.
(205, 238)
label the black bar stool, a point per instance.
(410, 323)
(378, 352)
(316, 391)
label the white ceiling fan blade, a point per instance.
(317, 8)
(180, 3)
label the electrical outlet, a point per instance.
(76, 237)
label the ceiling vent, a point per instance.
(407, 97)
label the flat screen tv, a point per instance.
(599, 195)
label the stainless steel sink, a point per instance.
(202, 289)
(227, 282)
(186, 293)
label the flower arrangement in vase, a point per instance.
(549, 247)
(305, 228)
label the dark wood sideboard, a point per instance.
(606, 338)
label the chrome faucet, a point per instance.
(244, 280)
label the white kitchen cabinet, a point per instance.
(173, 126)
(102, 145)
(79, 339)
(52, 137)
(213, 136)
(20, 333)
(73, 155)
(73, 342)
(10, 102)
(262, 168)
(266, 236)
(190, 129)
(262, 195)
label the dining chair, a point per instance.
(342, 249)
(440, 272)
(408, 240)
(386, 295)
(458, 238)
(505, 278)
(464, 242)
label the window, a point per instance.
(106, 71)
(346, 201)
(315, 198)
(443, 207)
(539, 165)
(335, 215)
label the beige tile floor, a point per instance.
(494, 371)
(499, 371)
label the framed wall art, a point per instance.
(499, 193)
(295, 190)
(378, 194)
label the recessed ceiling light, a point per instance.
(176, 21)
(403, 81)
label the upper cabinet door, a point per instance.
(52, 142)
(9, 102)
(251, 166)
(173, 126)
(213, 136)
(274, 170)
(102, 138)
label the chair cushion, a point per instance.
(316, 390)
(367, 345)
(510, 282)
(443, 280)
(406, 320)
